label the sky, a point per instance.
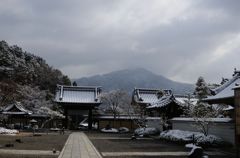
(181, 40)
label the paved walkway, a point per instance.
(79, 146)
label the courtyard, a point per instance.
(96, 144)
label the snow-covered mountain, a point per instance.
(130, 78)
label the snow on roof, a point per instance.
(209, 119)
(16, 109)
(163, 101)
(184, 99)
(77, 94)
(228, 108)
(144, 95)
(226, 90)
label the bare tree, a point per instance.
(115, 101)
(137, 114)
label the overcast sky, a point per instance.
(181, 40)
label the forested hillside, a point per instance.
(27, 78)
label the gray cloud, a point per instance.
(178, 40)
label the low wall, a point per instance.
(127, 122)
(222, 129)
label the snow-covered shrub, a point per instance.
(110, 130)
(123, 130)
(187, 136)
(146, 131)
(8, 131)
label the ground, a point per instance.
(29, 142)
(31, 146)
(109, 143)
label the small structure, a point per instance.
(77, 101)
(17, 114)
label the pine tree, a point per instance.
(201, 89)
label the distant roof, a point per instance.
(16, 109)
(145, 95)
(225, 91)
(78, 94)
(150, 98)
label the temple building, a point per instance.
(16, 114)
(160, 102)
(78, 102)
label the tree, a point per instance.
(201, 89)
(115, 101)
(202, 114)
(74, 83)
(53, 114)
(137, 114)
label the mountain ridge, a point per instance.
(128, 79)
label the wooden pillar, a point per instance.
(66, 118)
(237, 118)
(90, 119)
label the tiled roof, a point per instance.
(165, 101)
(77, 94)
(145, 96)
(150, 98)
(16, 109)
(226, 90)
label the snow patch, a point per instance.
(8, 131)
(146, 131)
(207, 119)
(187, 136)
(110, 130)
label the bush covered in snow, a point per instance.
(123, 130)
(8, 131)
(109, 130)
(187, 136)
(146, 131)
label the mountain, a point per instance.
(130, 78)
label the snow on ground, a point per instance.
(8, 131)
(187, 136)
(146, 131)
(110, 130)
(123, 130)
(207, 119)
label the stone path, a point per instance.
(79, 146)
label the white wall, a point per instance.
(154, 122)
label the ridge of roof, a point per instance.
(79, 87)
(19, 106)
